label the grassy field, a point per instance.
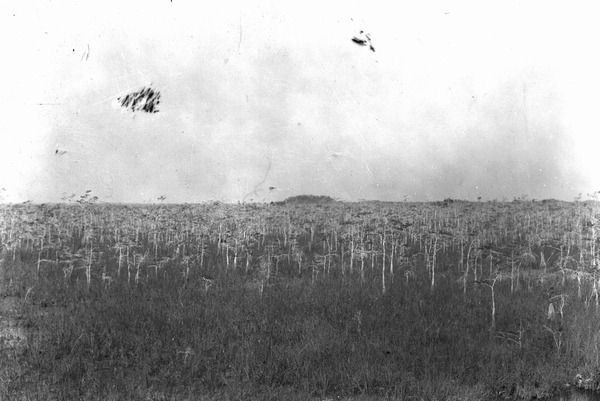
(309, 299)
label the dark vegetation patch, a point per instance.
(308, 199)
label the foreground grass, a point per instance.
(171, 339)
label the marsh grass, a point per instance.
(322, 339)
(164, 334)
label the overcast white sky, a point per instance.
(460, 100)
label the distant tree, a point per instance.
(306, 199)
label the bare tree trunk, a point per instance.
(392, 261)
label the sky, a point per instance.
(268, 100)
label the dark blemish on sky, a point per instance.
(240, 42)
(86, 54)
(146, 99)
(255, 190)
(363, 41)
(59, 152)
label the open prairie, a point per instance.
(308, 298)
